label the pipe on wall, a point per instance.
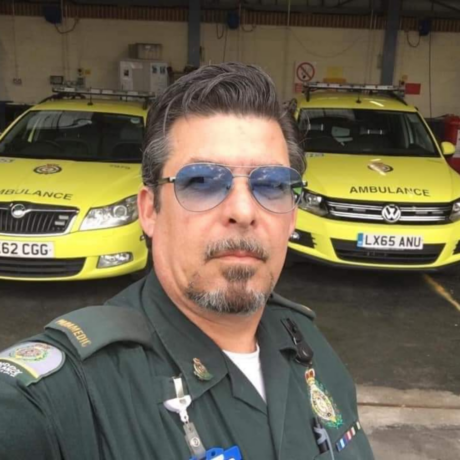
(272, 18)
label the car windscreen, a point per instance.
(364, 132)
(75, 135)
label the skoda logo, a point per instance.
(391, 213)
(48, 169)
(18, 211)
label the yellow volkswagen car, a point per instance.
(69, 175)
(380, 193)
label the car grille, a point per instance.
(40, 268)
(362, 211)
(349, 251)
(457, 248)
(303, 238)
(37, 220)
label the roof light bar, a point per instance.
(397, 92)
(354, 87)
(69, 90)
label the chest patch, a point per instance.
(31, 361)
(321, 402)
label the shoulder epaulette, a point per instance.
(277, 300)
(93, 328)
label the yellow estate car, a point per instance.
(380, 193)
(69, 175)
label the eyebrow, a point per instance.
(205, 160)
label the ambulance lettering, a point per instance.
(39, 193)
(390, 190)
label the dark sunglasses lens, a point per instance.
(200, 187)
(276, 187)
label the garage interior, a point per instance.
(397, 332)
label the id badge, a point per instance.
(217, 453)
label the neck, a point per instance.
(229, 332)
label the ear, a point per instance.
(147, 213)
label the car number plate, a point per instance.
(26, 249)
(396, 242)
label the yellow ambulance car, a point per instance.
(69, 174)
(380, 193)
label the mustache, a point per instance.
(249, 245)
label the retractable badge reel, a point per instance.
(179, 405)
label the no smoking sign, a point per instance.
(303, 73)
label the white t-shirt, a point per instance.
(249, 365)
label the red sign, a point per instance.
(298, 87)
(412, 88)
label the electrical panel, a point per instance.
(144, 75)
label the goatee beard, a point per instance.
(236, 299)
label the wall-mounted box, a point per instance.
(145, 51)
(144, 75)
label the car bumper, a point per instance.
(335, 242)
(76, 255)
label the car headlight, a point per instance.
(455, 214)
(313, 203)
(117, 214)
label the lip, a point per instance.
(240, 255)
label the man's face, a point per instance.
(227, 258)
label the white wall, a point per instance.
(445, 71)
(98, 45)
(347, 52)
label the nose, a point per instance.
(240, 207)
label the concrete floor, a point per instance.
(399, 334)
(417, 443)
(391, 329)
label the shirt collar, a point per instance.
(185, 342)
(271, 327)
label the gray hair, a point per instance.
(231, 88)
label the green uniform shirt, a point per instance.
(102, 398)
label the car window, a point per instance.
(418, 133)
(365, 132)
(76, 135)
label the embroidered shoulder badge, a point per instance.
(31, 361)
(322, 404)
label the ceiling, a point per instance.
(417, 8)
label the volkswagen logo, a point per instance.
(18, 211)
(391, 213)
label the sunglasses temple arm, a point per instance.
(302, 185)
(165, 180)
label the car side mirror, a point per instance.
(447, 148)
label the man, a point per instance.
(200, 359)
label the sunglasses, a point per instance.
(203, 186)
